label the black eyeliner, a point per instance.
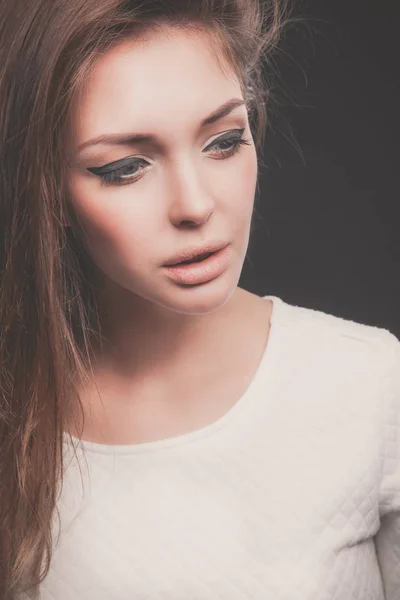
(233, 134)
(114, 166)
(109, 168)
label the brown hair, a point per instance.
(49, 320)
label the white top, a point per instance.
(294, 494)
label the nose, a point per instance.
(191, 201)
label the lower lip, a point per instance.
(202, 271)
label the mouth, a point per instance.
(201, 268)
(198, 258)
(192, 255)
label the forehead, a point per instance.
(172, 77)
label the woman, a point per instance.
(165, 433)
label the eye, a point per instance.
(120, 172)
(232, 140)
(129, 169)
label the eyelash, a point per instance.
(115, 177)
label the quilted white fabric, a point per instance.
(294, 494)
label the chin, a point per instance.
(200, 299)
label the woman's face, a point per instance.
(183, 186)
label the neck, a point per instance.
(142, 337)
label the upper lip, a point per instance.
(190, 253)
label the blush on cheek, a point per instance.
(250, 167)
(102, 245)
(117, 245)
(245, 184)
(103, 231)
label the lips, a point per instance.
(202, 270)
(198, 258)
(191, 255)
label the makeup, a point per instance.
(201, 271)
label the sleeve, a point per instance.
(387, 539)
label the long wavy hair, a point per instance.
(49, 317)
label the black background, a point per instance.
(326, 230)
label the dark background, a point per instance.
(326, 231)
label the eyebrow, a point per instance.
(145, 138)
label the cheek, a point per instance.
(244, 184)
(250, 171)
(110, 229)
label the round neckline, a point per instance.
(191, 436)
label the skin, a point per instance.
(157, 368)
